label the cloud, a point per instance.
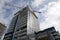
(52, 16)
(36, 3)
(3, 11)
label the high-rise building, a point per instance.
(24, 26)
(2, 28)
(24, 23)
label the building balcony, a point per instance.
(8, 35)
(19, 27)
(21, 34)
(21, 31)
(24, 37)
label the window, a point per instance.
(23, 27)
(17, 29)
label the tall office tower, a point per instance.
(10, 31)
(24, 23)
(2, 28)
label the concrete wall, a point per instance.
(2, 28)
(32, 23)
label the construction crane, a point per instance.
(20, 7)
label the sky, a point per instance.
(50, 11)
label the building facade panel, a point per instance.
(32, 23)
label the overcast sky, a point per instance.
(49, 17)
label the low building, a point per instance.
(47, 34)
(2, 28)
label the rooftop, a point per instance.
(48, 29)
(25, 8)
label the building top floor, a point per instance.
(25, 9)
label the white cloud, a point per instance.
(3, 12)
(36, 3)
(52, 16)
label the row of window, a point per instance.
(21, 35)
(23, 13)
(22, 24)
(21, 28)
(21, 31)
